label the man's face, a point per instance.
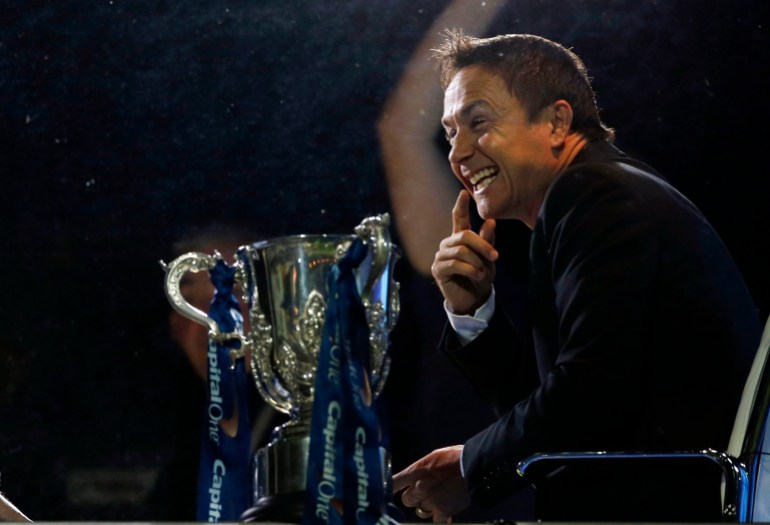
(505, 161)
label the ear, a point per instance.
(561, 122)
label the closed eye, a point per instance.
(477, 121)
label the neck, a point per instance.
(573, 144)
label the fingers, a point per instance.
(426, 511)
(433, 485)
(461, 222)
(417, 476)
(469, 248)
(487, 231)
(461, 217)
(412, 497)
(405, 478)
(458, 261)
(419, 491)
(417, 481)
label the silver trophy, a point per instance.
(283, 282)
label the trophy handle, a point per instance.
(175, 270)
(197, 262)
(374, 231)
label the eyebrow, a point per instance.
(470, 106)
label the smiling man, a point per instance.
(643, 329)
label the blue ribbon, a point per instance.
(224, 476)
(345, 481)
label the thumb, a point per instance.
(487, 232)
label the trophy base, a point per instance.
(289, 508)
(286, 508)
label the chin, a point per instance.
(487, 212)
(492, 208)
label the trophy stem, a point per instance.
(280, 476)
(281, 470)
(299, 425)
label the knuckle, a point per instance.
(466, 236)
(438, 269)
(409, 499)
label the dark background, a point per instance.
(124, 124)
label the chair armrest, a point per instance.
(735, 503)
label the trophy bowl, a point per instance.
(283, 282)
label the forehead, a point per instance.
(474, 85)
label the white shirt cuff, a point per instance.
(468, 327)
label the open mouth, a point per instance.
(483, 178)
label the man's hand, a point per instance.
(434, 485)
(464, 266)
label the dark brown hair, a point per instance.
(536, 70)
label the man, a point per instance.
(643, 329)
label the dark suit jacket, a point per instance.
(643, 333)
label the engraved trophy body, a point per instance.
(283, 281)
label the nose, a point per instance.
(462, 147)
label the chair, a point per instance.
(745, 464)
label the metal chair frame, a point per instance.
(741, 463)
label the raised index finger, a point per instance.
(461, 217)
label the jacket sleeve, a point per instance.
(514, 373)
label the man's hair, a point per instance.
(536, 70)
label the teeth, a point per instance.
(483, 184)
(483, 178)
(486, 172)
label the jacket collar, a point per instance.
(596, 151)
